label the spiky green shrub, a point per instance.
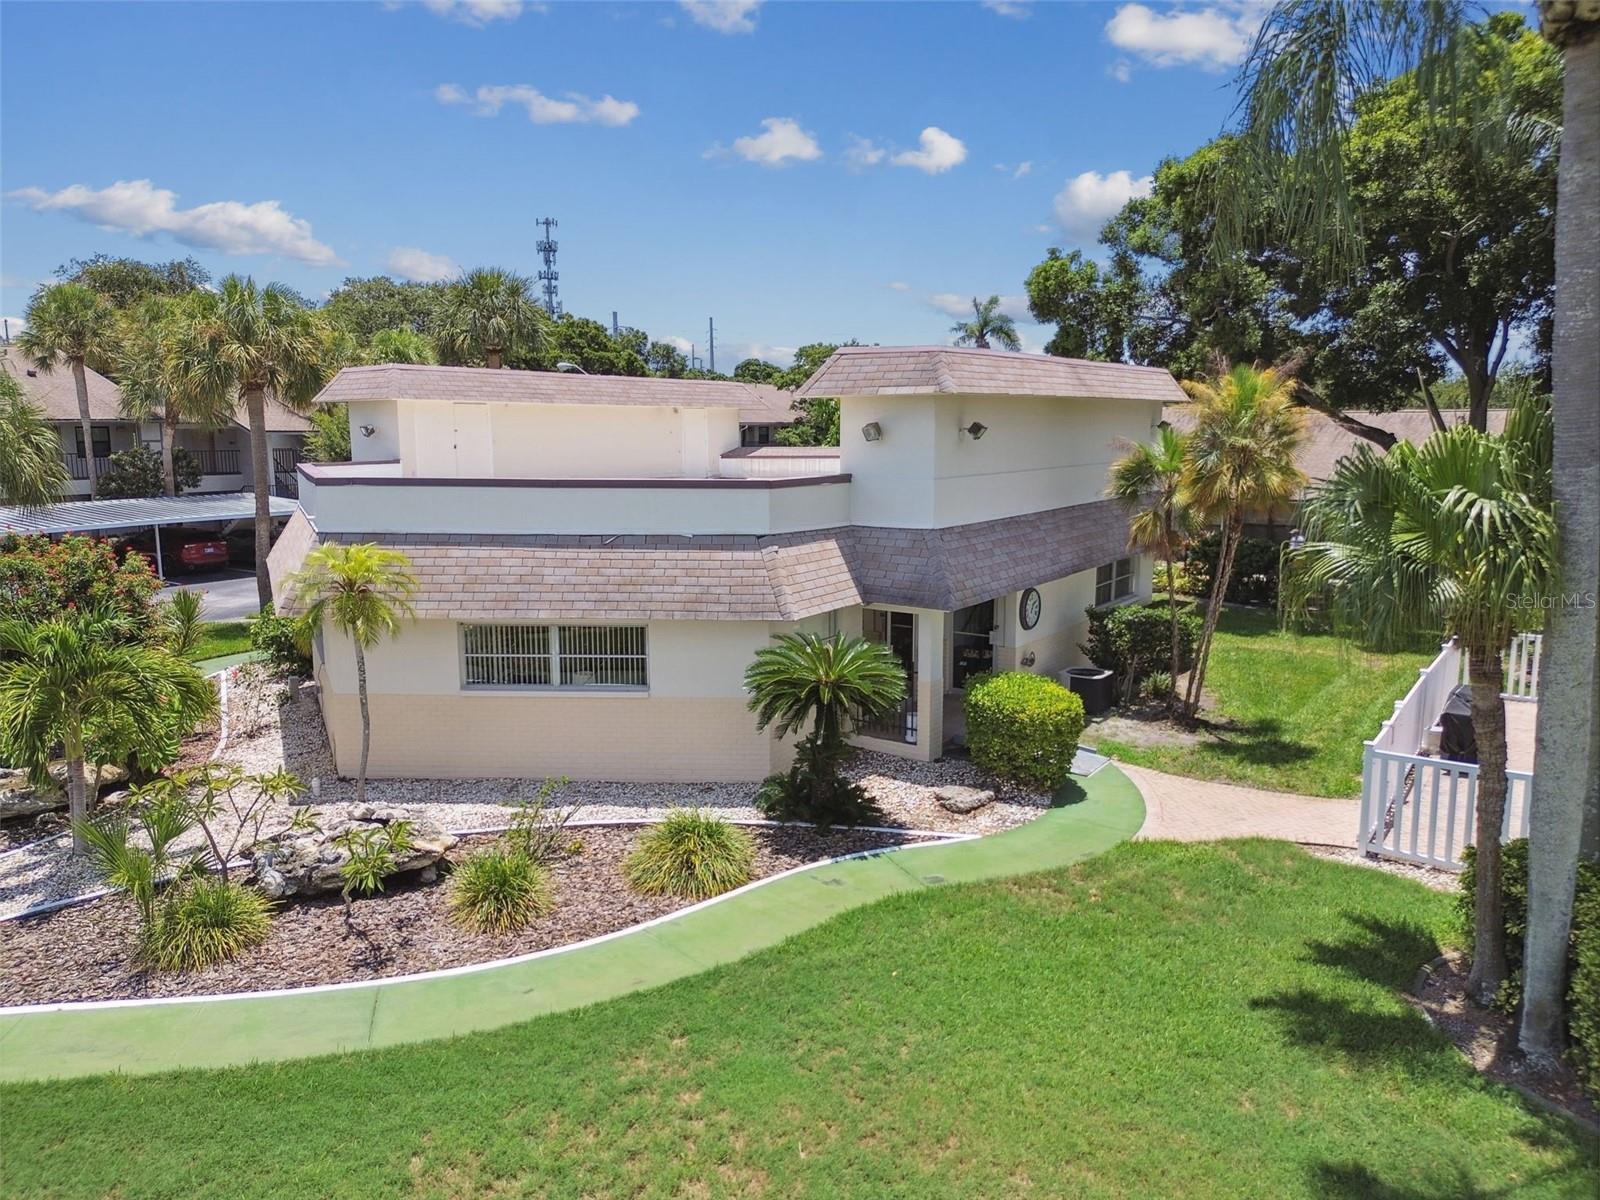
(499, 889)
(692, 855)
(282, 640)
(1023, 727)
(203, 921)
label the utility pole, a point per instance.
(712, 322)
(614, 329)
(694, 359)
(548, 276)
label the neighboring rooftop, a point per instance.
(764, 403)
(1327, 441)
(94, 516)
(920, 370)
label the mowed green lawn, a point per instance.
(1165, 1020)
(1289, 710)
(220, 638)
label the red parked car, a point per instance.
(198, 553)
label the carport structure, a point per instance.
(120, 516)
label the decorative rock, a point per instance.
(306, 863)
(110, 776)
(19, 798)
(962, 800)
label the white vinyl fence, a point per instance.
(1421, 809)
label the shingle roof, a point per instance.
(769, 406)
(279, 418)
(735, 577)
(407, 382)
(921, 370)
(57, 393)
(1326, 441)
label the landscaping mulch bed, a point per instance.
(1489, 1041)
(84, 952)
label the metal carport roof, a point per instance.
(97, 516)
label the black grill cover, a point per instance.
(1457, 741)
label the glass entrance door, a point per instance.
(973, 649)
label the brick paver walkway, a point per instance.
(1196, 810)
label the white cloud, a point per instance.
(898, 286)
(731, 354)
(1019, 9)
(864, 152)
(724, 16)
(939, 152)
(12, 325)
(1091, 199)
(409, 262)
(1121, 70)
(477, 12)
(1023, 168)
(1042, 227)
(784, 141)
(1214, 38)
(140, 208)
(574, 109)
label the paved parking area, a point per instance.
(230, 594)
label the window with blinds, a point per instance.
(1113, 581)
(512, 656)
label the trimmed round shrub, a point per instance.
(692, 855)
(1024, 727)
(498, 890)
(204, 921)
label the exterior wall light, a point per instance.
(570, 368)
(368, 430)
(976, 430)
(872, 431)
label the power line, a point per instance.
(547, 277)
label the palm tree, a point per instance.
(1148, 481)
(76, 682)
(31, 471)
(1310, 59)
(399, 346)
(487, 314)
(1451, 535)
(1239, 456)
(159, 344)
(832, 682)
(250, 341)
(71, 323)
(988, 324)
(364, 590)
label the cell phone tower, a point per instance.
(547, 277)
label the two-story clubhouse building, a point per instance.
(600, 557)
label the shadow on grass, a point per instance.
(1258, 742)
(1357, 1181)
(1385, 952)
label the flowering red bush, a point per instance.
(40, 578)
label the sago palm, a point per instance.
(1309, 62)
(363, 591)
(988, 325)
(1454, 535)
(76, 683)
(31, 471)
(250, 341)
(1148, 481)
(487, 314)
(1239, 456)
(69, 323)
(831, 683)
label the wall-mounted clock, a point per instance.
(1030, 607)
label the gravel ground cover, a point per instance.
(84, 952)
(269, 728)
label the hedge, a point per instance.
(1255, 569)
(1133, 641)
(1583, 962)
(1023, 727)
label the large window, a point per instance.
(102, 439)
(1114, 581)
(538, 656)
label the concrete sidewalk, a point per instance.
(1197, 810)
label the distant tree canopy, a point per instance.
(1456, 217)
(124, 282)
(363, 307)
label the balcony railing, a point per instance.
(78, 466)
(216, 462)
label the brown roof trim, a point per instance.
(313, 472)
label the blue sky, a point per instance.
(800, 171)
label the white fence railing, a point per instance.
(1423, 810)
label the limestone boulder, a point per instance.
(307, 863)
(962, 800)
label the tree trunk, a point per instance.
(169, 435)
(366, 722)
(1479, 386)
(1219, 588)
(1172, 609)
(1489, 727)
(77, 798)
(494, 356)
(1565, 819)
(261, 469)
(81, 381)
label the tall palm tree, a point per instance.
(249, 341)
(1451, 535)
(364, 590)
(1239, 456)
(31, 471)
(988, 324)
(1148, 481)
(399, 346)
(76, 682)
(487, 314)
(159, 343)
(72, 324)
(1310, 59)
(831, 682)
